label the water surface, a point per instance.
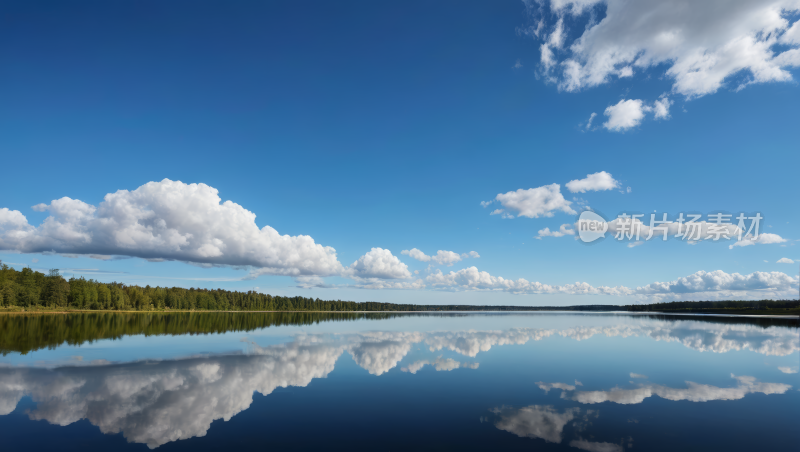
(543, 380)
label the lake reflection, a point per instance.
(588, 382)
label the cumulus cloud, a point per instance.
(563, 230)
(629, 113)
(700, 285)
(661, 108)
(167, 220)
(379, 263)
(446, 257)
(625, 114)
(762, 239)
(701, 45)
(694, 392)
(376, 283)
(718, 280)
(785, 260)
(635, 375)
(441, 257)
(534, 202)
(593, 182)
(472, 279)
(788, 370)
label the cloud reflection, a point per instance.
(535, 421)
(156, 402)
(581, 443)
(439, 364)
(694, 392)
(702, 336)
(469, 343)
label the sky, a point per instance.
(413, 152)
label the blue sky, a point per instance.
(365, 125)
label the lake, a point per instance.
(602, 382)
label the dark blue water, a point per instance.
(544, 381)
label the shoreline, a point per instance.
(105, 311)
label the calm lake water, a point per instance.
(528, 381)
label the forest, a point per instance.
(32, 290)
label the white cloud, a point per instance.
(485, 204)
(589, 122)
(167, 220)
(785, 260)
(700, 285)
(377, 283)
(763, 239)
(379, 263)
(635, 375)
(661, 108)
(788, 370)
(517, 65)
(563, 230)
(593, 182)
(442, 257)
(625, 114)
(446, 257)
(718, 280)
(472, 279)
(535, 202)
(635, 244)
(701, 44)
(416, 254)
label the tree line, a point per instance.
(27, 288)
(31, 289)
(694, 306)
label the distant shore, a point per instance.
(792, 312)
